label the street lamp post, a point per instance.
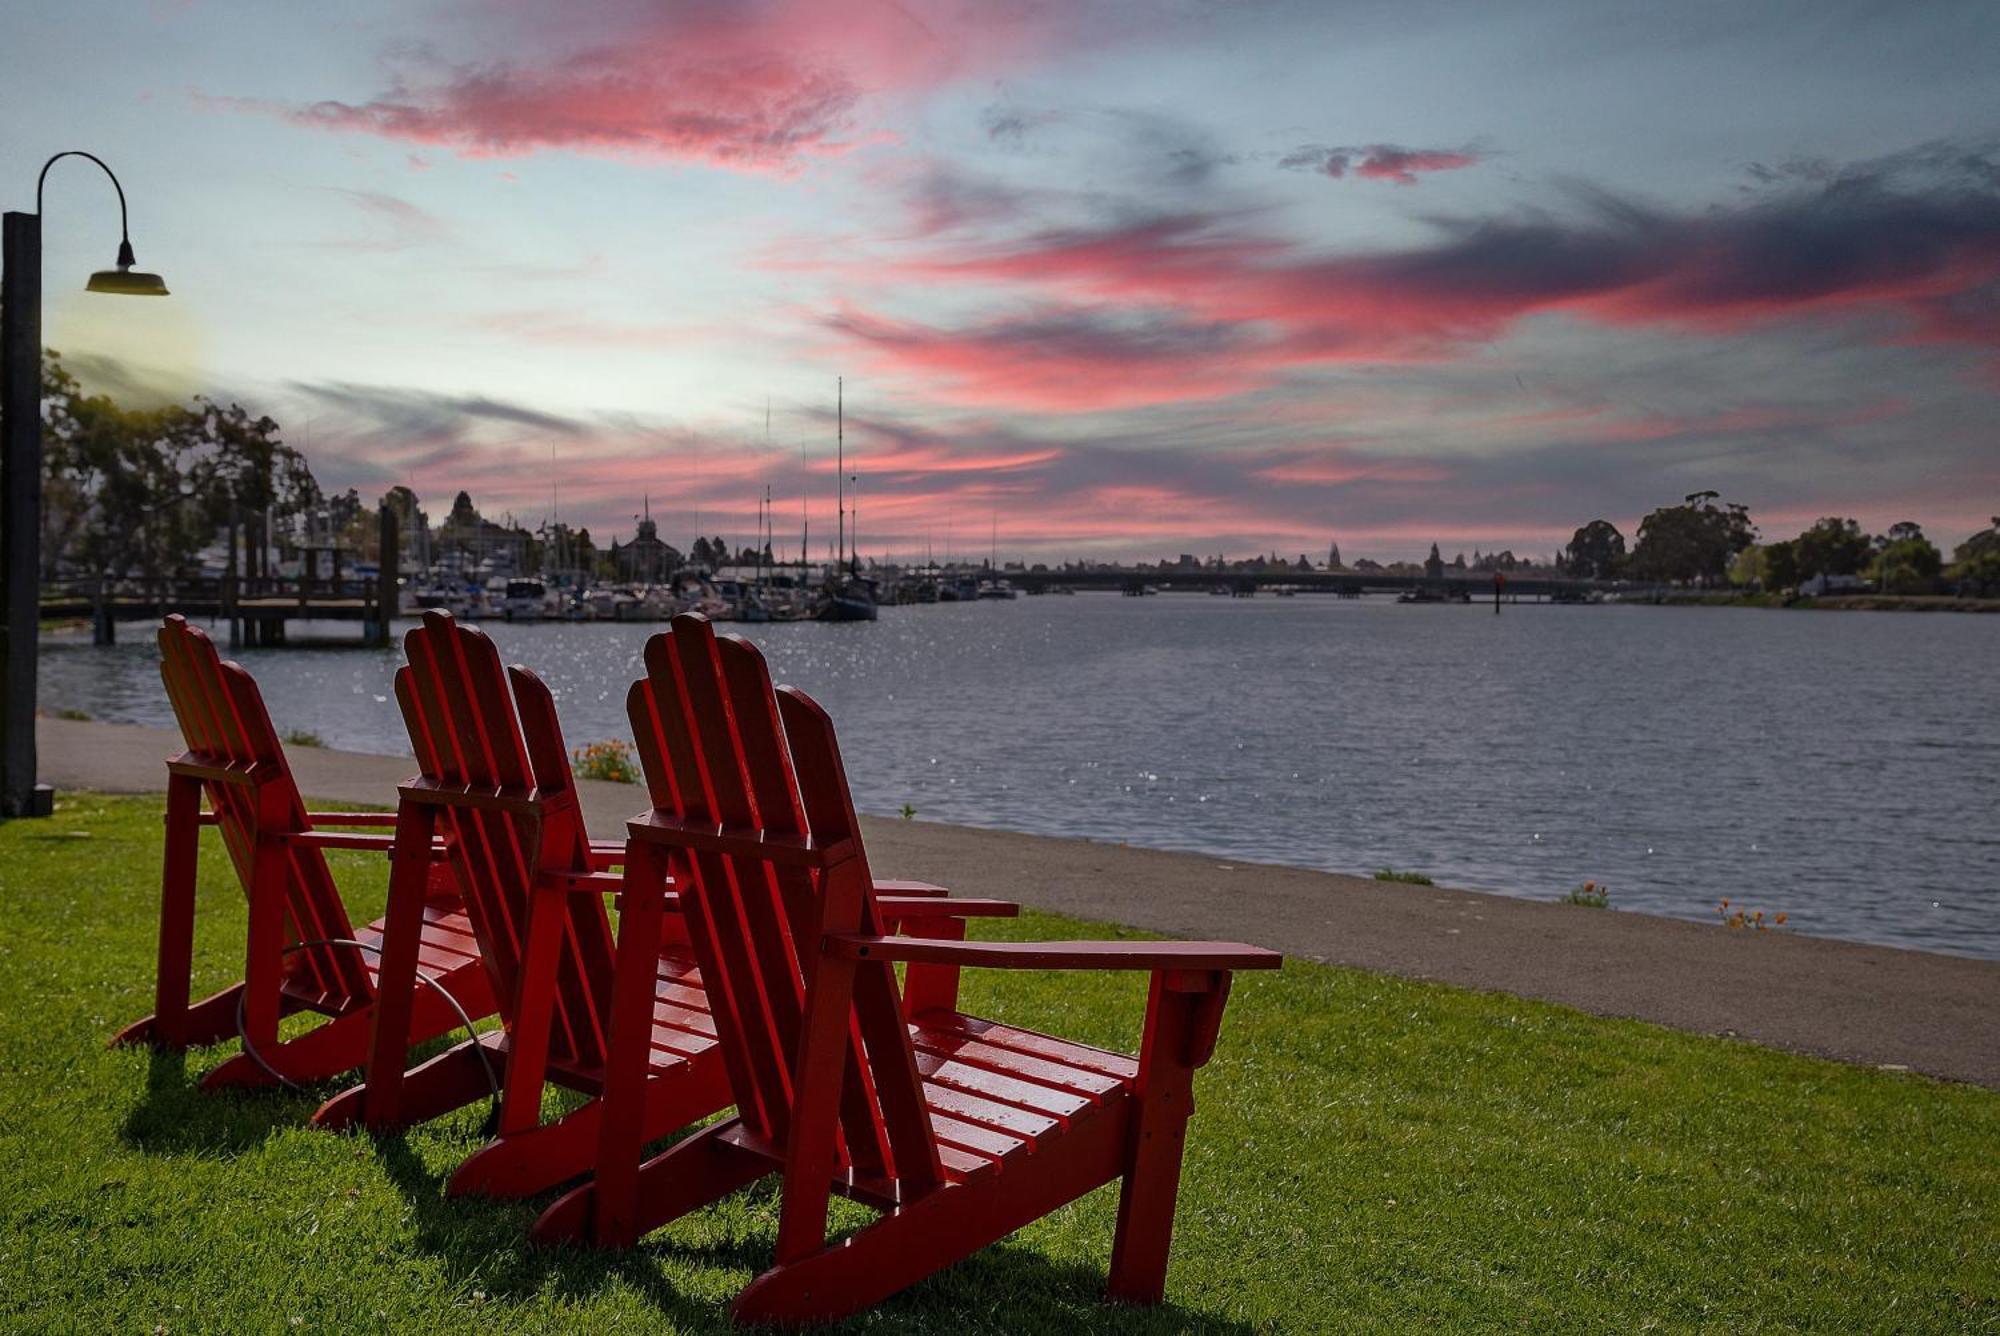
(21, 474)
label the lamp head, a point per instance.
(124, 281)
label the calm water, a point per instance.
(1844, 769)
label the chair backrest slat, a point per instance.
(768, 765)
(682, 699)
(666, 753)
(878, 1012)
(468, 720)
(223, 721)
(733, 752)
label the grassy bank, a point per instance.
(1369, 1153)
(1723, 598)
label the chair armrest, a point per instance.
(1056, 955)
(348, 839)
(908, 888)
(604, 883)
(337, 839)
(899, 907)
(351, 818)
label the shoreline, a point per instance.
(1823, 603)
(1876, 1005)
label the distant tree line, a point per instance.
(139, 492)
(1707, 542)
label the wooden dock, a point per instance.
(259, 609)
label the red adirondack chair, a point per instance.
(296, 913)
(495, 782)
(961, 1130)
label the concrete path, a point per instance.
(1868, 1004)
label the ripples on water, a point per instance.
(1842, 768)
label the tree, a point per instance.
(1595, 552)
(1833, 546)
(1778, 566)
(1747, 567)
(114, 493)
(1692, 542)
(1976, 561)
(1907, 565)
(140, 491)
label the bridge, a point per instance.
(1476, 585)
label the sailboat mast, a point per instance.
(840, 462)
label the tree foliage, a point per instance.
(139, 492)
(1692, 542)
(1596, 551)
(1833, 546)
(1778, 567)
(1907, 562)
(1976, 561)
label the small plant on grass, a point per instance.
(301, 737)
(1407, 878)
(1590, 895)
(611, 760)
(1752, 919)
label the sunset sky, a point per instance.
(1119, 279)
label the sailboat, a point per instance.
(995, 586)
(848, 597)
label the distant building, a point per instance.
(645, 560)
(470, 540)
(1434, 565)
(1821, 585)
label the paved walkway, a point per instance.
(1868, 1004)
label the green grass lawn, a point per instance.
(1368, 1153)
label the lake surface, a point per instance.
(1843, 769)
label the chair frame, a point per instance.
(235, 762)
(754, 840)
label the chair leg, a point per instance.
(209, 1021)
(929, 1234)
(520, 1164)
(1165, 1099)
(396, 981)
(451, 1080)
(264, 953)
(684, 1177)
(169, 1025)
(341, 1044)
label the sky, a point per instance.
(1104, 280)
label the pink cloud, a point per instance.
(753, 85)
(1328, 471)
(1060, 361)
(1380, 162)
(912, 460)
(1401, 165)
(1119, 304)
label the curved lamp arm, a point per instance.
(124, 231)
(121, 280)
